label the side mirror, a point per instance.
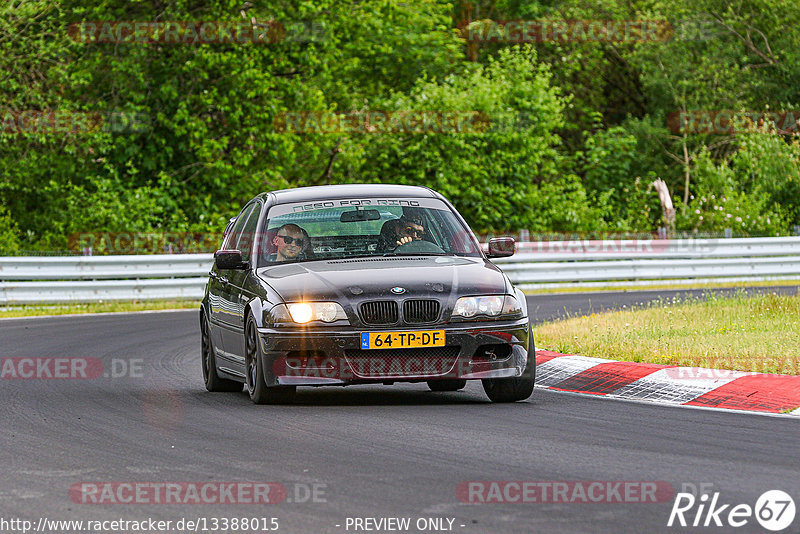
(501, 247)
(229, 259)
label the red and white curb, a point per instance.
(669, 384)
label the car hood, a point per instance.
(350, 281)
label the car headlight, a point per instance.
(486, 307)
(306, 312)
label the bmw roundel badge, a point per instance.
(398, 290)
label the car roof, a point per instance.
(325, 192)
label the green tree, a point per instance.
(494, 176)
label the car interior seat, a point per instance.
(388, 236)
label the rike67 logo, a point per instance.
(774, 510)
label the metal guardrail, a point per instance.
(105, 267)
(27, 280)
(585, 250)
(553, 264)
(545, 264)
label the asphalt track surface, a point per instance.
(373, 451)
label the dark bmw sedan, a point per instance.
(361, 284)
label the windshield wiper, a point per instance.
(421, 254)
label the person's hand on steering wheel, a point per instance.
(403, 241)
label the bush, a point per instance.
(721, 202)
(608, 164)
(9, 233)
(767, 165)
(607, 160)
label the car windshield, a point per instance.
(347, 228)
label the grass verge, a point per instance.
(34, 310)
(759, 333)
(650, 287)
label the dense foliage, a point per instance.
(564, 136)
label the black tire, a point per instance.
(257, 387)
(447, 384)
(514, 389)
(209, 363)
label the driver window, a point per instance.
(247, 239)
(233, 237)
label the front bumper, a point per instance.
(323, 356)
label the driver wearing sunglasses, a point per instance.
(290, 241)
(409, 229)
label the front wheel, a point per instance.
(257, 387)
(212, 380)
(517, 388)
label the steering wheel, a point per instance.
(420, 246)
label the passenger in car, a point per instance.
(292, 243)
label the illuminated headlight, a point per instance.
(305, 312)
(301, 312)
(493, 306)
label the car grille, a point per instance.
(390, 363)
(379, 312)
(420, 311)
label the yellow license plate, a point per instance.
(402, 340)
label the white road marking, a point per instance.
(561, 368)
